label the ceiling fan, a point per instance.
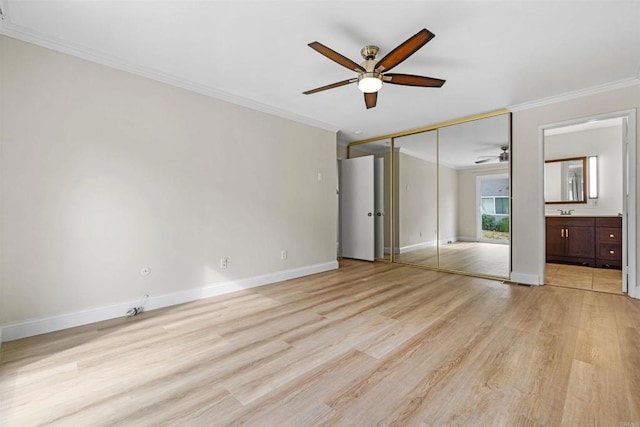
(502, 157)
(372, 73)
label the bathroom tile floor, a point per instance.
(575, 276)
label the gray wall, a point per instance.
(104, 172)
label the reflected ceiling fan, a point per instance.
(372, 73)
(502, 157)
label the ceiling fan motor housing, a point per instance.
(369, 81)
(370, 52)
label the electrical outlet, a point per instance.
(283, 254)
(224, 263)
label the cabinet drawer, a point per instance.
(609, 251)
(609, 221)
(568, 222)
(608, 235)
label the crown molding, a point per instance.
(16, 32)
(620, 84)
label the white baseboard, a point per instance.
(525, 279)
(460, 239)
(31, 327)
(416, 247)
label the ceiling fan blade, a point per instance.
(411, 80)
(404, 51)
(336, 57)
(370, 99)
(482, 161)
(331, 86)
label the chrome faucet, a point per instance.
(565, 212)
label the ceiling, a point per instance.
(493, 54)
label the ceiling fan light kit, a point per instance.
(370, 82)
(371, 72)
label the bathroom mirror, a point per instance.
(565, 180)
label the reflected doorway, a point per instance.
(493, 208)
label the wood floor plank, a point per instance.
(580, 277)
(594, 398)
(367, 344)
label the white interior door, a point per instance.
(378, 170)
(357, 207)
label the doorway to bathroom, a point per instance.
(589, 190)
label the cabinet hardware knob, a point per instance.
(612, 252)
(611, 235)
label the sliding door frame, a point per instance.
(436, 127)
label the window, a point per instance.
(495, 205)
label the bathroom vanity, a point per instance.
(593, 241)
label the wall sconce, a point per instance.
(593, 177)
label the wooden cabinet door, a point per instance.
(555, 241)
(581, 242)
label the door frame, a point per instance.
(629, 208)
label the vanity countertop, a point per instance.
(581, 216)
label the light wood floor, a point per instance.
(491, 259)
(368, 344)
(575, 276)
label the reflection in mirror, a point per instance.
(416, 198)
(565, 180)
(474, 196)
(381, 151)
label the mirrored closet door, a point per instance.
(443, 195)
(474, 196)
(416, 193)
